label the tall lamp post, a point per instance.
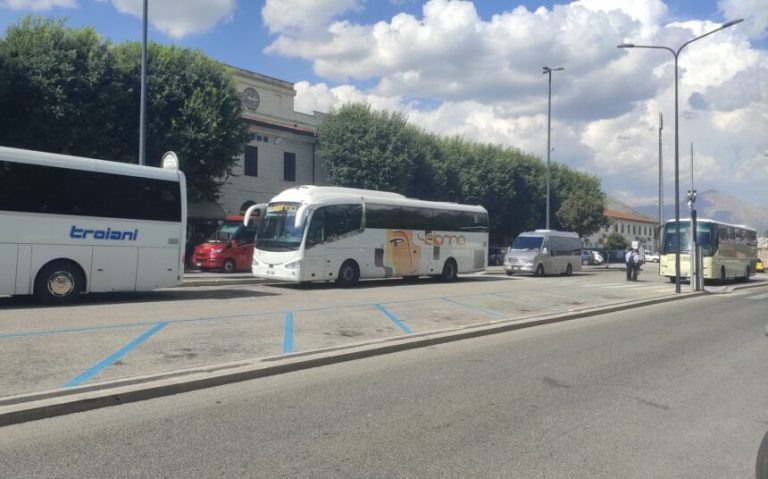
(677, 138)
(143, 107)
(548, 71)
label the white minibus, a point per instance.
(543, 252)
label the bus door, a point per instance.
(314, 267)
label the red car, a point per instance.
(229, 249)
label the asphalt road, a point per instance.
(671, 390)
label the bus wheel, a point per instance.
(58, 282)
(746, 275)
(229, 266)
(450, 272)
(540, 270)
(349, 274)
(568, 270)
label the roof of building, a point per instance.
(621, 215)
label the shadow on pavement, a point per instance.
(95, 299)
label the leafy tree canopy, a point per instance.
(67, 90)
(379, 150)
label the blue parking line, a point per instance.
(88, 374)
(471, 306)
(394, 319)
(288, 333)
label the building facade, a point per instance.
(282, 153)
(632, 227)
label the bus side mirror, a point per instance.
(301, 215)
(257, 211)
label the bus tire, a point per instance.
(228, 266)
(540, 271)
(672, 279)
(59, 282)
(746, 275)
(569, 270)
(349, 274)
(450, 271)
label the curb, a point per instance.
(46, 404)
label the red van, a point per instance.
(229, 249)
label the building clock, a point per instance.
(250, 98)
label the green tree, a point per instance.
(583, 207)
(380, 150)
(56, 88)
(616, 241)
(193, 109)
(363, 148)
(67, 90)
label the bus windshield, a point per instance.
(277, 231)
(527, 243)
(703, 237)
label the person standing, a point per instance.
(628, 257)
(635, 264)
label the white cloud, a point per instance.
(754, 13)
(37, 5)
(303, 17)
(178, 19)
(453, 72)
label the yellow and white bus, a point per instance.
(314, 233)
(728, 251)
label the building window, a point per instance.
(289, 166)
(615, 228)
(622, 228)
(634, 231)
(251, 161)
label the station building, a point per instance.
(632, 226)
(281, 154)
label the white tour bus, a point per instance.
(543, 252)
(727, 251)
(75, 225)
(314, 233)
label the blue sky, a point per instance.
(473, 69)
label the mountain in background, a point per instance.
(711, 204)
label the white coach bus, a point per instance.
(313, 233)
(75, 225)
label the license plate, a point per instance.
(270, 272)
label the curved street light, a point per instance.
(548, 71)
(677, 144)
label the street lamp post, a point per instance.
(143, 106)
(548, 71)
(677, 137)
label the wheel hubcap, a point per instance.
(61, 283)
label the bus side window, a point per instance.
(316, 228)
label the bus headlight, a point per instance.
(293, 265)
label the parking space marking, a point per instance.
(88, 374)
(472, 306)
(403, 327)
(288, 333)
